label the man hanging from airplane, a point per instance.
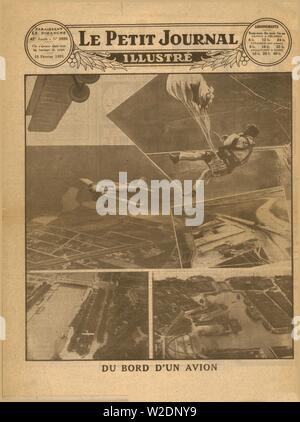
(196, 95)
(235, 152)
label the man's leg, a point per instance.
(188, 156)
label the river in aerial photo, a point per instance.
(50, 322)
(253, 334)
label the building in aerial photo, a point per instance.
(94, 316)
(244, 230)
(219, 316)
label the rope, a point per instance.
(204, 126)
(284, 130)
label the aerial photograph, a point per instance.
(188, 123)
(87, 315)
(220, 315)
(64, 230)
(243, 230)
(232, 131)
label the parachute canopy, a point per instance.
(194, 93)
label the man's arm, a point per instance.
(229, 140)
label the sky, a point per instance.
(87, 123)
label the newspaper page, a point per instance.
(149, 200)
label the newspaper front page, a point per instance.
(149, 200)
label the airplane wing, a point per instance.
(119, 188)
(89, 183)
(92, 188)
(52, 96)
